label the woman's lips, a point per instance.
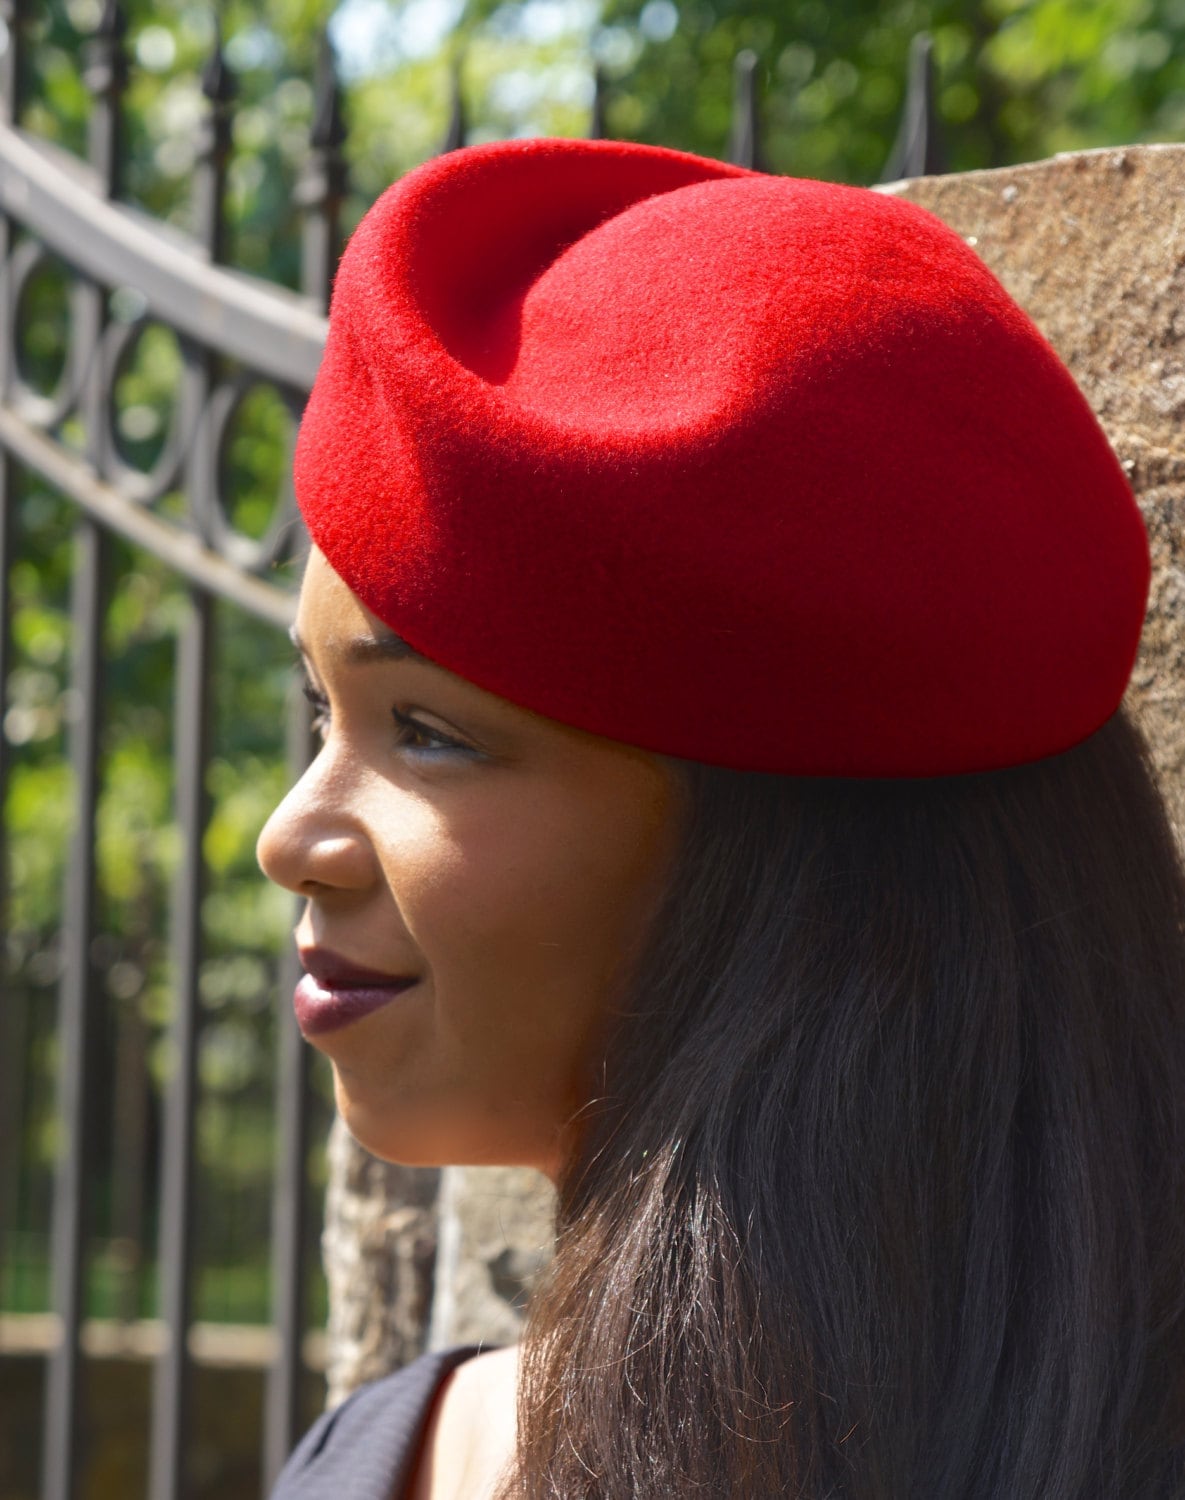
(334, 992)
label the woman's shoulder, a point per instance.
(366, 1447)
(470, 1436)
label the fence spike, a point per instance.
(171, 1408)
(597, 129)
(105, 74)
(218, 82)
(213, 151)
(290, 1193)
(113, 23)
(329, 126)
(918, 149)
(455, 137)
(79, 1029)
(14, 1013)
(744, 148)
(323, 179)
(14, 70)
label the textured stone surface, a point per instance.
(379, 1248)
(495, 1238)
(1092, 245)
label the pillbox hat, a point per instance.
(758, 471)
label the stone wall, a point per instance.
(379, 1249)
(1093, 246)
(420, 1259)
(495, 1238)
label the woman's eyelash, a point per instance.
(430, 739)
(320, 706)
(412, 734)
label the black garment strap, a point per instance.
(364, 1449)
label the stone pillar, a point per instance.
(417, 1258)
(495, 1237)
(1092, 246)
(379, 1247)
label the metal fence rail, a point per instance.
(234, 333)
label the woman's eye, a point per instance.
(410, 734)
(320, 705)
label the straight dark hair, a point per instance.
(881, 1195)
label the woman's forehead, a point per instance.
(335, 629)
(330, 617)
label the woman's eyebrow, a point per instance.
(367, 648)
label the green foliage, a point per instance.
(38, 823)
(42, 317)
(260, 436)
(146, 386)
(1017, 80)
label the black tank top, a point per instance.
(365, 1449)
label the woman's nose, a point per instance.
(312, 845)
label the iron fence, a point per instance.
(53, 206)
(234, 333)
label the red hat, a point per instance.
(757, 471)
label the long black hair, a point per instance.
(882, 1192)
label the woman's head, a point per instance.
(853, 1034)
(506, 864)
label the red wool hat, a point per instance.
(756, 471)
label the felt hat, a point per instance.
(757, 471)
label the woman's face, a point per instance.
(501, 867)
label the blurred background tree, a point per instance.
(1017, 81)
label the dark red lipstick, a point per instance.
(334, 992)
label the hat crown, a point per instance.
(615, 432)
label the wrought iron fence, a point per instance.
(235, 334)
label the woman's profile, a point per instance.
(719, 614)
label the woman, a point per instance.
(719, 614)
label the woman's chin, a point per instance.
(396, 1137)
(409, 1137)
